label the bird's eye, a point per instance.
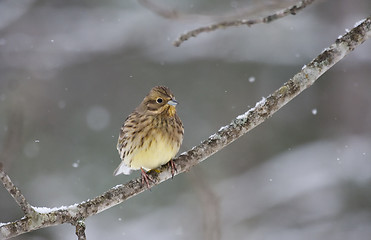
(159, 100)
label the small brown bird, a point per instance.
(151, 135)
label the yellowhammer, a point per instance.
(151, 135)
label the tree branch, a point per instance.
(80, 230)
(15, 192)
(44, 217)
(221, 25)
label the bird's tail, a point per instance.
(122, 168)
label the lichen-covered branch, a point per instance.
(80, 230)
(15, 193)
(221, 25)
(239, 126)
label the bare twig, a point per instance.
(80, 230)
(15, 193)
(280, 14)
(226, 135)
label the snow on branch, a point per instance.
(221, 25)
(36, 218)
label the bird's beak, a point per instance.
(172, 102)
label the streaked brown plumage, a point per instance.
(151, 135)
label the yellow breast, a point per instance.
(154, 153)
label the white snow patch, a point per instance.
(215, 136)
(242, 116)
(44, 210)
(212, 136)
(48, 210)
(117, 186)
(183, 154)
(359, 22)
(325, 49)
(2, 224)
(258, 104)
(223, 128)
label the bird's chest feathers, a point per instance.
(171, 111)
(158, 150)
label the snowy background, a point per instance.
(71, 71)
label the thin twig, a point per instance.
(221, 25)
(226, 135)
(80, 230)
(15, 193)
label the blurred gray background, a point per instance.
(71, 71)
